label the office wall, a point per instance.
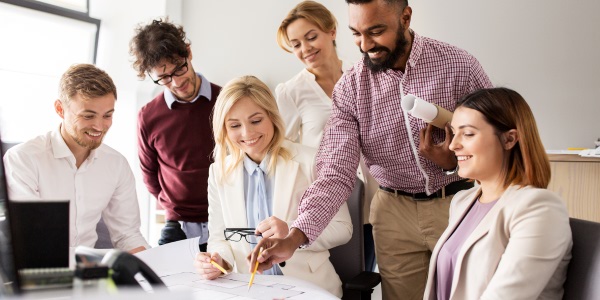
(546, 50)
(119, 19)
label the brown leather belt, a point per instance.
(448, 190)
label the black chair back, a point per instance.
(349, 259)
(583, 274)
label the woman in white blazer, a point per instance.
(309, 31)
(508, 237)
(249, 135)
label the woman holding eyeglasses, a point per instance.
(256, 181)
(509, 237)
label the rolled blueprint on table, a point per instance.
(428, 112)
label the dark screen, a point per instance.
(8, 275)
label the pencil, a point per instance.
(255, 268)
(214, 263)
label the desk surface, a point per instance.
(173, 263)
(572, 158)
(186, 285)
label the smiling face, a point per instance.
(477, 147)
(380, 33)
(249, 128)
(186, 86)
(85, 122)
(311, 45)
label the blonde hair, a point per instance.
(236, 89)
(314, 13)
(527, 162)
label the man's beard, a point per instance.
(392, 57)
(80, 139)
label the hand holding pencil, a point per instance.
(209, 266)
(254, 271)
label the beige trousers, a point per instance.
(405, 233)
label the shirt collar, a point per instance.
(250, 165)
(416, 49)
(204, 91)
(60, 148)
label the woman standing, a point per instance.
(309, 31)
(508, 237)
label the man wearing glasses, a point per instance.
(174, 134)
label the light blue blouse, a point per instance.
(258, 192)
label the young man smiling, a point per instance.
(174, 134)
(72, 163)
(410, 160)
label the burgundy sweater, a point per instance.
(175, 147)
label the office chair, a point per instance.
(583, 274)
(103, 241)
(349, 259)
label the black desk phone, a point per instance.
(124, 266)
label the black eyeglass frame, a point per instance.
(242, 232)
(176, 73)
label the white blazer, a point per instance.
(520, 250)
(227, 209)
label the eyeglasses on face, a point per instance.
(236, 235)
(166, 79)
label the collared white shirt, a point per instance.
(204, 91)
(44, 169)
(304, 107)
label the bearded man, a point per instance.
(410, 160)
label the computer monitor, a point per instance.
(9, 278)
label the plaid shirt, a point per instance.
(366, 116)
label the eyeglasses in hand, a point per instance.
(236, 234)
(166, 79)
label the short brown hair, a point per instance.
(311, 11)
(85, 80)
(527, 162)
(157, 41)
(403, 3)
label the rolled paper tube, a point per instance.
(428, 112)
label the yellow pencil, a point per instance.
(214, 263)
(255, 268)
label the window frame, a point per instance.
(62, 12)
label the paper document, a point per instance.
(172, 258)
(173, 263)
(590, 152)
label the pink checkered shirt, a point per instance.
(366, 116)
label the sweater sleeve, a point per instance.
(148, 158)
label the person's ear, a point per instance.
(333, 33)
(190, 53)
(406, 17)
(510, 139)
(59, 109)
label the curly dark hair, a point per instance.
(157, 41)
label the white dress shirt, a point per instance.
(44, 169)
(304, 107)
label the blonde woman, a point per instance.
(508, 237)
(309, 31)
(256, 182)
